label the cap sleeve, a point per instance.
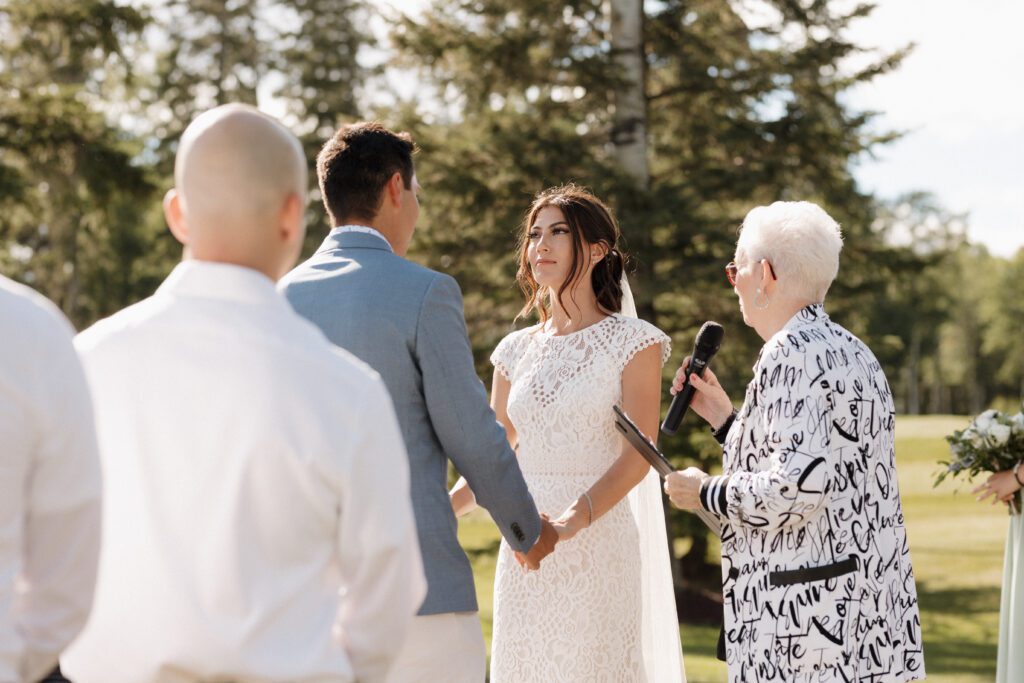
(637, 335)
(506, 354)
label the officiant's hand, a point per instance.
(683, 488)
(1001, 486)
(542, 548)
(709, 398)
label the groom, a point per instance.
(407, 323)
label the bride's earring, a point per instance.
(757, 300)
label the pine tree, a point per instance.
(213, 53)
(68, 184)
(296, 59)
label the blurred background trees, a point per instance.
(682, 114)
(70, 182)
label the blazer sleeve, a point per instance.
(796, 417)
(462, 418)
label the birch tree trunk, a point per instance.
(629, 137)
(629, 131)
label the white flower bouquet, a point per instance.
(993, 442)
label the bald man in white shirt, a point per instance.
(49, 486)
(257, 523)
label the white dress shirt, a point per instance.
(49, 486)
(362, 229)
(257, 520)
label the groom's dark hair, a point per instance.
(354, 166)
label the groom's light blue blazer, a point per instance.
(407, 322)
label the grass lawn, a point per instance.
(956, 545)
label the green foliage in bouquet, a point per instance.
(993, 442)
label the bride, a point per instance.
(601, 607)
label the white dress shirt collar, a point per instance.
(225, 281)
(364, 229)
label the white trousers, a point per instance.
(442, 647)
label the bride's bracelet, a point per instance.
(590, 508)
(1016, 475)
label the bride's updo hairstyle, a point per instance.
(590, 222)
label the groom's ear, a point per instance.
(394, 188)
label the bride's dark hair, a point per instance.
(590, 221)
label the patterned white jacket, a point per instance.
(809, 485)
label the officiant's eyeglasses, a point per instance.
(731, 269)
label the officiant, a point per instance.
(816, 571)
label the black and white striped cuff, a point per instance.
(712, 495)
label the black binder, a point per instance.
(658, 461)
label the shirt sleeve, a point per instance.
(379, 555)
(62, 523)
(796, 418)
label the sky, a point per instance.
(960, 98)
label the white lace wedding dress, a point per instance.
(601, 607)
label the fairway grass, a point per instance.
(956, 545)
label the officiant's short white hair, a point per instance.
(799, 240)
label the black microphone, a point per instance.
(709, 339)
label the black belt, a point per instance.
(828, 571)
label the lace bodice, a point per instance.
(563, 389)
(582, 616)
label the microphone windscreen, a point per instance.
(709, 339)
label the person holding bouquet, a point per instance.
(1004, 486)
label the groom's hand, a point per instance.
(542, 548)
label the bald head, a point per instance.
(240, 181)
